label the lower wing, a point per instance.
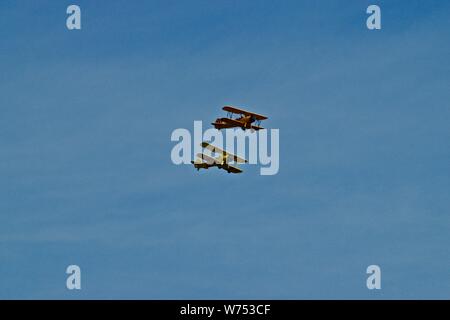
(234, 169)
(257, 128)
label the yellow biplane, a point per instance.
(204, 161)
(244, 119)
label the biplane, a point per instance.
(244, 119)
(204, 161)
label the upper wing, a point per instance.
(228, 155)
(247, 113)
(212, 148)
(236, 158)
(208, 159)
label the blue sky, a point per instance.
(85, 170)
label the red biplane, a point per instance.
(244, 120)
